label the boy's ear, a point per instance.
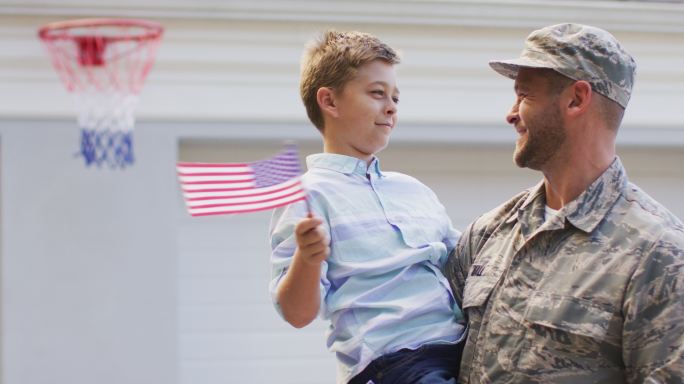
(326, 101)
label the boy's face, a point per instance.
(364, 112)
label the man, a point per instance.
(579, 279)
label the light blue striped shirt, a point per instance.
(381, 286)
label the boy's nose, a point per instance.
(391, 108)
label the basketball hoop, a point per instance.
(103, 63)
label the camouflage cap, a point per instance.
(579, 52)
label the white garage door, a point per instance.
(228, 329)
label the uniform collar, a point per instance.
(589, 208)
(343, 164)
(586, 211)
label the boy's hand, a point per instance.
(311, 241)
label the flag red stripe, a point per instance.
(215, 174)
(248, 210)
(211, 165)
(245, 203)
(217, 182)
(217, 190)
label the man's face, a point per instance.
(536, 116)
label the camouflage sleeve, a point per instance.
(653, 333)
(458, 264)
(472, 240)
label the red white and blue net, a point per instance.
(103, 63)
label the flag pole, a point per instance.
(306, 200)
(292, 146)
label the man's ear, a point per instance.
(326, 101)
(578, 97)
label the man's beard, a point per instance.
(545, 135)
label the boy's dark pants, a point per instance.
(429, 364)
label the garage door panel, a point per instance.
(237, 245)
(257, 346)
(295, 370)
(227, 260)
(220, 318)
(224, 290)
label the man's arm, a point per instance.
(458, 264)
(653, 333)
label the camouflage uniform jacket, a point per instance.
(594, 295)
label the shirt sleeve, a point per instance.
(653, 333)
(450, 240)
(458, 264)
(283, 246)
(451, 234)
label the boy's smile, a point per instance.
(362, 115)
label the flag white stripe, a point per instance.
(245, 207)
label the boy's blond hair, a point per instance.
(332, 60)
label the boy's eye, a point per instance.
(378, 92)
(396, 100)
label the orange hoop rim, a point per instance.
(60, 29)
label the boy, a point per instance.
(368, 256)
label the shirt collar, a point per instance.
(590, 207)
(530, 213)
(586, 211)
(343, 164)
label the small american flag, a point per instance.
(219, 189)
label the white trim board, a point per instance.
(615, 15)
